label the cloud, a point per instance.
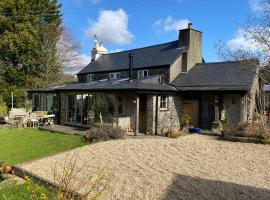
(242, 41)
(74, 66)
(116, 50)
(170, 24)
(69, 56)
(256, 5)
(112, 27)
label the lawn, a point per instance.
(15, 192)
(20, 145)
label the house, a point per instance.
(148, 89)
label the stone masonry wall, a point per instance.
(170, 118)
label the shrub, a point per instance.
(3, 109)
(103, 132)
(174, 133)
(251, 129)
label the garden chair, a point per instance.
(18, 116)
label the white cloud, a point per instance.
(74, 66)
(170, 24)
(256, 5)
(116, 50)
(69, 55)
(242, 41)
(111, 26)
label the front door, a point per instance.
(191, 108)
(142, 115)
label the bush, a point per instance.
(251, 129)
(3, 109)
(174, 133)
(103, 132)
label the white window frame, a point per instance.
(142, 74)
(90, 78)
(115, 75)
(163, 102)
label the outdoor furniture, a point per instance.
(18, 116)
(34, 121)
(44, 119)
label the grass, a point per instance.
(21, 145)
(15, 192)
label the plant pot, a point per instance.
(7, 169)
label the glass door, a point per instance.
(79, 109)
(71, 109)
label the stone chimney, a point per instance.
(98, 50)
(191, 39)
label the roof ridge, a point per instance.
(141, 48)
(222, 62)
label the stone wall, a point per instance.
(170, 118)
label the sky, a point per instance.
(126, 24)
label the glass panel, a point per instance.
(88, 109)
(36, 102)
(78, 109)
(50, 102)
(103, 108)
(71, 109)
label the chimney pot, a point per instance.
(190, 25)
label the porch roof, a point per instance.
(110, 85)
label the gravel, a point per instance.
(189, 167)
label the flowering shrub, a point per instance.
(185, 120)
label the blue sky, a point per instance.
(126, 24)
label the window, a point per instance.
(90, 77)
(142, 73)
(114, 75)
(163, 103)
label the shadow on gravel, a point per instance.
(185, 187)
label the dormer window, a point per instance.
(90, 78)
(142, 74)
(115, 75)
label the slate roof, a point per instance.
(52, 88)
(152, 56)
(233, 76)
(148, 84)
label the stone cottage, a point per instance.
(147, 90)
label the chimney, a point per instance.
(98, 49)
(191, 40)
(130, 66)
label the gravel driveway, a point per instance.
(190, 167)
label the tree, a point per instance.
(30, 35)
(256, 32)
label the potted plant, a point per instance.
(185, 120)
